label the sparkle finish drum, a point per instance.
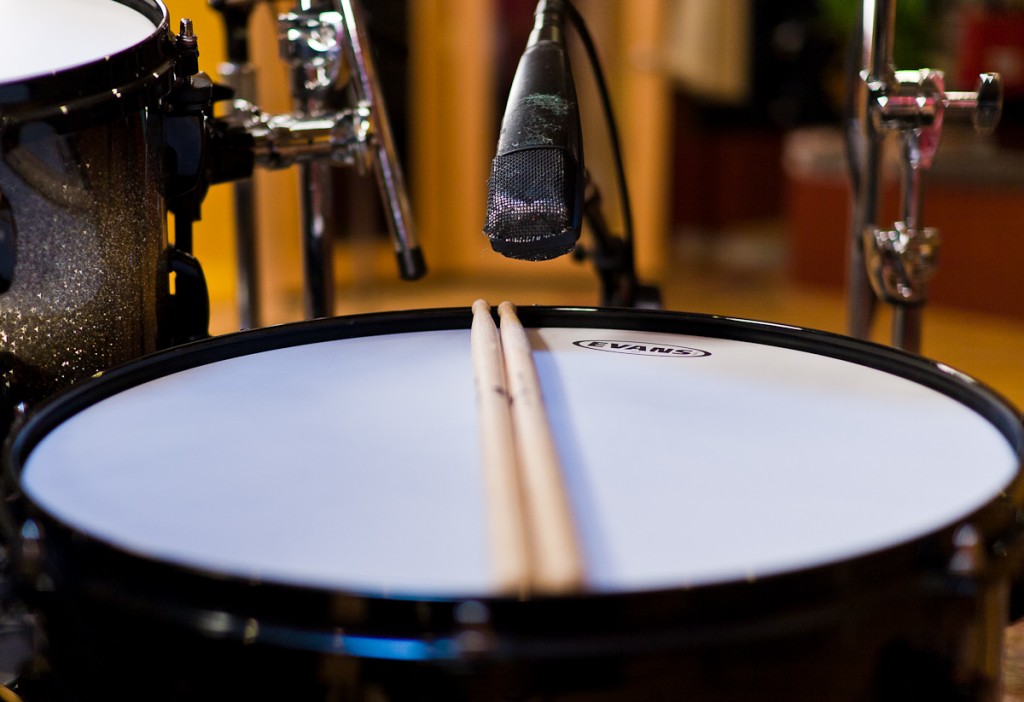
(82, 214)
(298, 512)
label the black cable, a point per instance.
(613, 133)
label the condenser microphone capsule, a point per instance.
(535, 191)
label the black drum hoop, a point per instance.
(403, 628)
(100, 90)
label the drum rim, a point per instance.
(119, 83)
(394, 626)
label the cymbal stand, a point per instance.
(894, 265)
(384, 155)
(316, 38)
(311, 45)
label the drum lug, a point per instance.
(30, 556)
(969, 558)
(189, 318)
(476, 637)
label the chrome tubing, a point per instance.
(387, 167)
(310, 42)
(894, 264)
(327, 47)
(864, 150)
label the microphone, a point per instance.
(535, 192)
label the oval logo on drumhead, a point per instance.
(642, 348)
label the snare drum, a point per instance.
(298, 513)
(81, 188)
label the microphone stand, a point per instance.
(612, 258)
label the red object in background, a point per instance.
(992, 41)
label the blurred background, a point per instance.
(729, 113)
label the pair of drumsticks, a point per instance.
(533, 532)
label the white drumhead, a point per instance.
(38, 37)
(354, 464)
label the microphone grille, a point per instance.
(531, 203)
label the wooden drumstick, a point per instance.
(556, 556)
(501, 480)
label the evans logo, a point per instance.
(640, 348)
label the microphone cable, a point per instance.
(613, 133)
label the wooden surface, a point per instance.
(1013, 667)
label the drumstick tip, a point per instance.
(506, 307)
(481, 306)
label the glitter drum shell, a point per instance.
(83, 212)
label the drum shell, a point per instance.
(896, 624)
(81, 164)
(807, 638)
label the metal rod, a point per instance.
(317, 246)
(907, 326)
(247, 256)
(907, 319)
(243, 80)
(310, 44)
(385, 159)
(864, 145)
